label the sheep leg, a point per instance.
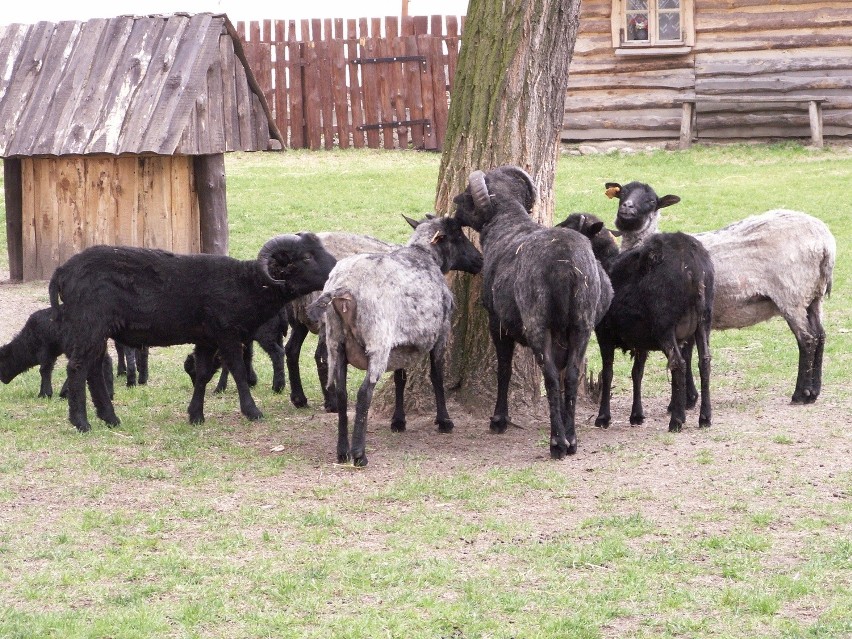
(436, 375)
(400, 377)
(607, 360)
(691, 390)
(702, 341)
(46, 372)
(342, 417)
(248, 361)
(292, 350)
(359, 428)
(142, 364)
(222, 384)
(109, 380)
(232, 354)
(100, 394)
(505, 347)
(800, 324)
(814, 321)
(129, 355)
(76, 383)
(555, 399)
(321, 359)
(577, 344)
(677, 366)
(205, 367)
(637, 413)
(122, 359)
(275, 349)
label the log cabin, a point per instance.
(112, 131)
(710, 70)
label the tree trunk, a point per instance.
(507, 107)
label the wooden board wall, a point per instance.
(751, 47)
(72, 202)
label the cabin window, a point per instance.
(652, 23)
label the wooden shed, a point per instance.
(718, 69)
(112, 131)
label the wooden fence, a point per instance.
(381, 83)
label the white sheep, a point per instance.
(776, 263)
(383, 311)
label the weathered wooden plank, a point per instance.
(24, 77)
(326, 92)
(282, 115)
(356, 96)
(376, 28)
(29, 202)
(339, 92)
(372, 110)
(592, 101)
(51, 192)
(263, 72)
(413, 72)
(427, 86)
(386, 113)
(261, 124)
(774, 18)
(14, 38)
(244, 108)
(436, 25)
(398, 96)
(762, 41)
(313, 105)
(316, 29)
(634, 81)
(99, 203)
(406, 26)
(766, 86)
(228, 63)
(126, 195)
(139, 126)
(209, 173)
(53, 63)
(213, 128)
(421, 25)
(297, 96)
(155, 205)
(439, 91)
(452, 41)
(181, 209)
(14, 198)
(194, 208)
(74, 223)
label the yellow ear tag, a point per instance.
(612, 191)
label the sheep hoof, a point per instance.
(196, 419)
(343, 458)
(219, 390)
(398, 426)
(278, 387)
(329, 408)
(675, 426)
(602, 422)
(83, 427)
(253, 415)
(558, 451)
(703, 422)
(45, 395)
(359, 461)
(445, 425)
(637, 420)
(299, 401)
(498, 424)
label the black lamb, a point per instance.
(542, 288)
(663, 298)
(149, 297)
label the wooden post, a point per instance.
(815, 115)
(213, 207)
(686, 124)
(14, 217)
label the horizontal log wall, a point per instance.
(744, 47)
(73, 202)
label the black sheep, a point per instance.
(149, 297)
(663, 298)
(542, 288)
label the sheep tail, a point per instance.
(53, 290)
(316, 309)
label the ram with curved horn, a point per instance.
(148, 297)
(542, 288)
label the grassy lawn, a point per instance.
(244, 530)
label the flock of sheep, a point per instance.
(379, 307)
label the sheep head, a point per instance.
(603, 241)
(298, 263)
(489, 192)
(446, 238)
(638, 205)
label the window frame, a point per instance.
(652, 46)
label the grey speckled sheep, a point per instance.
(776, 263)
(384, 311)
(340, 245)
(542, 288)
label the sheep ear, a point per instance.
(438, 237)
(413, 223)
(594, 228)
(612, 189)
(430, 216)
(667, 200)
(616, 233)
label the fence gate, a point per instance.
(379, 92)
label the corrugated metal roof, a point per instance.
(128, 85)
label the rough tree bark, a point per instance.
(507, 108)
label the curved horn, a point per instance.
(530, 184)
(271, 247)
(479, 190)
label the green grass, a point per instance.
(161, 529)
